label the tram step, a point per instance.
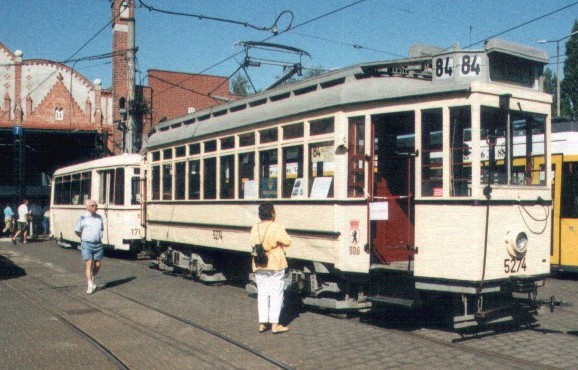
(392, 301)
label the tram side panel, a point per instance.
(327, 234)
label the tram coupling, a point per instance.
(552, 302)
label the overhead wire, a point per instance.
(273, 28)
(266, 39)
(523, 24)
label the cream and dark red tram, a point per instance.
(400, 182)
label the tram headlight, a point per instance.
(516, 244)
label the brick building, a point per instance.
(176, 94)
(50, 116)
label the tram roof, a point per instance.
(361, 83)
(118, 160)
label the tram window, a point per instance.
(322, 126)
(156, 156)
(293, 131)
(75, 189)
(460, 150)
(119, 187)
(247, 139)
(356, 154)
(228, 143)
(85, 182)
(227, 178)
(210, 178)
(569, 194)
(135, 190)
(268, 173)
(156, 183)
(246, 179)
(66, 190)
(168, 153)
(292, 171)
(180, 151)
(321, 170)
(431, 158)
(268, 136)
(57, 190)
(167, 181)
(194, 179)
(526, 135)
(194, 149)
(210, 146)
(180, 178)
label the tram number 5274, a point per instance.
(514, 265)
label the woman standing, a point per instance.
(270, 277)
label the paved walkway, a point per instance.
(43, 304)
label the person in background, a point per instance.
(270, 277)
(89, 228)
(8, 215)
(36, 215)
(46, 221)
(23, 218)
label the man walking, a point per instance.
(89, 228)
(23, 216)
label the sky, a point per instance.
(363, 31)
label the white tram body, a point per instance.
(114, 182)
(400, 182)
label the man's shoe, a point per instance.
(90, 289)
(14, 241)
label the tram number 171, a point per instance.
(514, 265)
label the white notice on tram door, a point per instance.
(378, 211)
(320, 188)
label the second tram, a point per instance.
(114, 182)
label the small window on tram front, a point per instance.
(521, 156)
(460, 150)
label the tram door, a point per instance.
(393, 169)
(568, 216)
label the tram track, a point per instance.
(78, 331)
(511, 361)
(101, 347)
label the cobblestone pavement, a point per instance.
(44, 308)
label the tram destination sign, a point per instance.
(460, 67)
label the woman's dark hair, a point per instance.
(266, 210)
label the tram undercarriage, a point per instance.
(319, 286)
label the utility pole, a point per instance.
(557, 67)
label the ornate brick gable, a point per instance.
(59, 98)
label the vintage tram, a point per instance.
(114, 182)
(401, 182)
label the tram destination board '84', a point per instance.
(499, 61)
(460, 67)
